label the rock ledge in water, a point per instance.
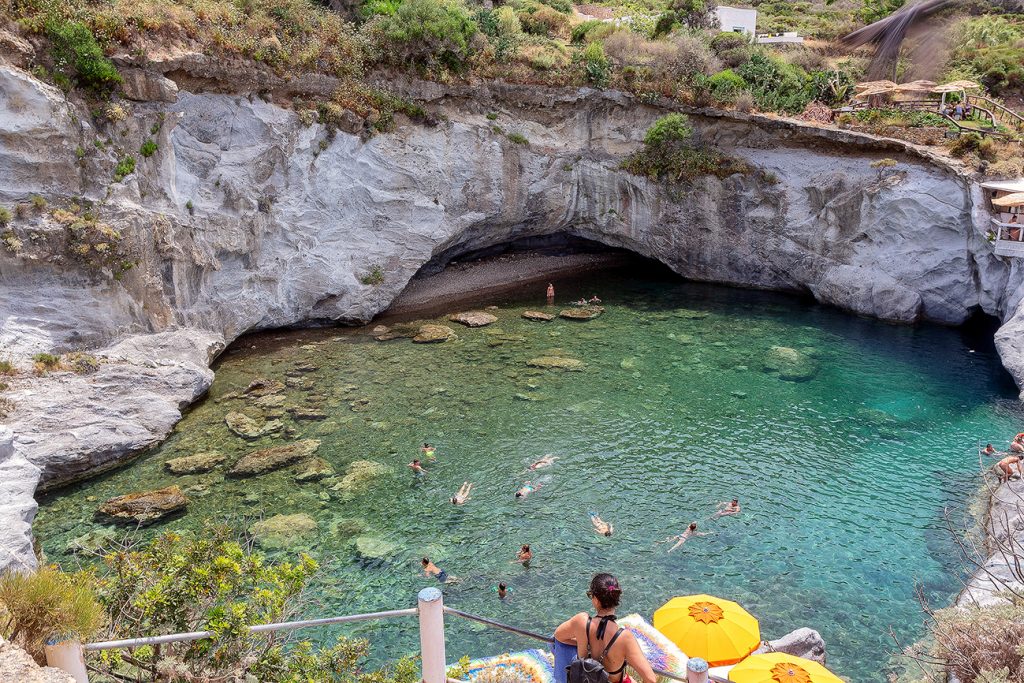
(433, 334)
(145, 507)
(283, 531)
(582, 313)
(374, 549)
(557, 363)
(473, 318)
(195, 464)
(538, 316)
(358, 476)
(313, 469)
(247, 428)
(790, 365)
(269, 459)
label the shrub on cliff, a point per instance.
(669, 154)
(775, 85)
(725, 86)
(426, 33)
(78, 56)
(34, 607)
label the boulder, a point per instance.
(283, 531)
(248, 428)
(147, 86)
(16, 665)
(790, 364)
(375, 549)
(313, 469)
(803, 642)
(582, 313)
(434, 334)
(473, 318)
(195, 464)
(538, 316)
(358, 476)
(270, 403)
(269, 459)
(262, 386)
(557, 363)
(145, 507)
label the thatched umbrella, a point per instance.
(916, 86)
(965, 85)
(1015, 199)
(874, 85)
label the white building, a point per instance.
(736, 20)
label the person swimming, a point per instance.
(524, 556)
(417, 468)
(727, 508)
(428, 451)
(581, 302)
(526, 489)
(431, 569)
(463, 495)
(990, 450)
(547, 461)
(682, 538)
(600, 526)
(594, 299)
(502, 590)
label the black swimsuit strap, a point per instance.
(603, 626)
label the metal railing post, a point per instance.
(67, 656)
(431, 612)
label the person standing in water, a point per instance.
(585, 636)
(682, 538)
(551, 294)
(463, 495)
(431, 569)
(600, 526)
(417, 468)
(503, 591)
(524, 556)
(428, 451)
(727, 508)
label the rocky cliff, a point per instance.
(245, 218)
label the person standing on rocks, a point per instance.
(551, 294)
(1005, 467)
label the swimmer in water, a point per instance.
(600, 526)
(581, 302)
(682, 538)
(463, 495)
(989, 450)
(524, 555)
(547, 461)
(594, 299)
(502, 590)
(431, 569)
(428, 451)
(526, 489)
(727, 508)
(417, 468)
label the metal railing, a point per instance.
(69, 655)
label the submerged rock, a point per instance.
(433, 334)
(299, 413)
(195, 464)
(375, 549)
(269, 459)
(313, 469)
(688, 314)
(283, 531)
(92, 542)
(557, 363)
(473, 318)
(347, 527)
(582, 313)
(538, 316)
(358, 476)
(263, 387)
(790, 364)
(270, 402)
(145, 507)
(248, 428)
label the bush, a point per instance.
(629, 48)
(690, 57)
(668, 154)
(670, 128)
(507, 24)
(729, 40)
(544, 21)
(148, 148)
(775, 85)
(744, 102)
(48, 603)
(38, 203)
(374, 277)
(832, 86)
(595, 64)
(125, 167)
(725, 86)
(427, 33)
(5, 216)
(580, 30)
(77, 54)
(965, 144)
(47, 360)
(7, 368)
(988, 150)
(518, 138)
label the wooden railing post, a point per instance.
(431, 613)
(67, 655)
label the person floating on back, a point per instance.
(600, 526)
(546, 461)
(727, 508)
(690, 532)
(463, 495)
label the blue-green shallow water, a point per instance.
(843, 479)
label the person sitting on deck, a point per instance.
(1004, 468)
(600, 526)
(463, 495)
(584, 636)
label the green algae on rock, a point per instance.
(195, 464)
(473, 318)
(538, 316)
(313, 469)
(789, 364)
(248, 428)
(358, 476)
(283, 531)
(269, 459)
(375, 549)
(145, 507)
(557, 363)
(582, 313)
(434, 334)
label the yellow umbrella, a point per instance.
(778, 667)
(717, 630)
(1015, 199)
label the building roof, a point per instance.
(1005, 185)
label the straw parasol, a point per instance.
(717, 630)
(873, 92)
(965, 85)
(916, 86)
(779, 667)
(872, 85)
(1015, 199)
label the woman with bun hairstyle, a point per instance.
(585, 636)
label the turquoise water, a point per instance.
(843, 478)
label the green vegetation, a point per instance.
(76, 55)
(966, 143)
(989, 49)
(5, 216)
(426, 33)
(48, 603)
(725, 86)
(873, 10)
(38, 202)
(7, 368)
(89, 240)
(125, 167)
(148, 148)
(775, 84)
(518, 138)
(595, 64)
(669, 154)
(374, 277)
(80, 363)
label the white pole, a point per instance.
(431, 609)
(67, 656)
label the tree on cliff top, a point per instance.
(426, 33)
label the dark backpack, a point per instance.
(589, 670)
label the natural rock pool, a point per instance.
(683, 402)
